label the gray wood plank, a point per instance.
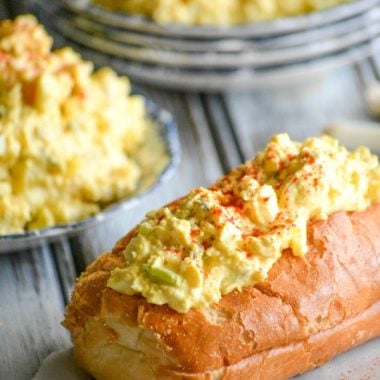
(365, 73)
(203, 138)
(368, 71)
(67, 271)
(30, 313)
(375, 61)
(223, 134)
(301, 111)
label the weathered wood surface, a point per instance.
(31, 307)
(301, 111)
(217, 133)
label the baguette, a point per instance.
(306, 312)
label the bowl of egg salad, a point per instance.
(216, 45)
(76, 147)
(202, 18)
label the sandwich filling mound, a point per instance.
(217, 240)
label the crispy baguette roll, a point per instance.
(307, 311)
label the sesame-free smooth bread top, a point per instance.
(307, 311)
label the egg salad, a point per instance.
(67, 132)
(218, 12)
(217, 240)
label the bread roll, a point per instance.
(308, 310)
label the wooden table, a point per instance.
(217, 133)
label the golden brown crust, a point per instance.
(302, 301)
(296, 357)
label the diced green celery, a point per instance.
(162, 275)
